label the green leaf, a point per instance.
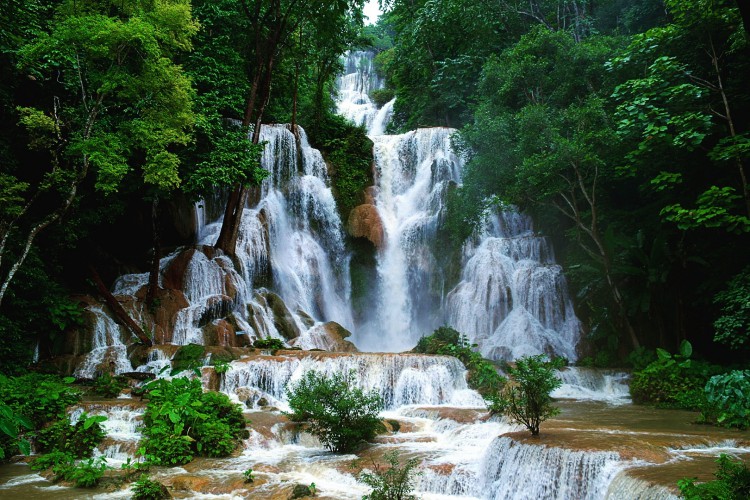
(686, 349)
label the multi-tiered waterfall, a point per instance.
(291, 280)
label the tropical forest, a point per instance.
(375, 249)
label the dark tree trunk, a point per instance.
(744, 7)
(120, 314)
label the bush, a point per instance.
(108, 386)
(673, 381)
(149, 489)
(526, 398)
(84, 474)
(29, 402)
(382, 96)
(394, 483)
(188, 357)
(269, 343)
(78, 440)
(340, 414)
(733, 326)
(732, 483)
(181, 421)
(728, 399)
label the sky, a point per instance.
(372, 11)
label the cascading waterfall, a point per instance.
(108, 351)
(399, 379)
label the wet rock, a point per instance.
(370, 193)
(365, 222)
(221, 333)
(306, 319)
(174, 275)
(217, 307)
(282, 316)
(300, 491)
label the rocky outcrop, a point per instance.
(329, 336)
(365, 222)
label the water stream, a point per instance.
(292, 274)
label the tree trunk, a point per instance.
(120, 314)
(153, 277)
(744, 7)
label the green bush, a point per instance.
(673, 381)
(149, 489)
(350, 156)
(732, 483)
(182, 421)
(28, 403)
(269, 343)
(84, 474)
(394, 483)
(733, 326)
(108, 386)
(188, 357)
(339, 414)
(728, 399)
(526, 398)
(382, 96)
(78, 440)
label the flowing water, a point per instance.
(292, 274)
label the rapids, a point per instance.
(292, 274)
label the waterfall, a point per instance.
(511, 298)
(399, 379)
(108, 350)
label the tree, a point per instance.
(339, 413)
(526, 398)
(112, 100)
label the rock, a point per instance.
(306, 319)
(171, 301)
(220, 333)
(370, 193)
(174, 275)
(331, 336)
(283, 318)
(217, 307)
(365, 222)
(300, 491)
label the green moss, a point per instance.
(188, 357)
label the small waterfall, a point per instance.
(593, 384)
(399, 379)
(625, 487)
(108, 351)
(517, 471)
(354, 86)
(512, 299)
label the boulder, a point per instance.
(365, 222)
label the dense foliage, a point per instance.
(728, 399)
(673, 380)
(732, 482)
(181, 421)
(338, 412)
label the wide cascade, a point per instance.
(290, 280)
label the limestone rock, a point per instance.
(365, 222)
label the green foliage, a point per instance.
(248, 475)
(83, 474)
(732, 482)
(269, 343)
(77, 440)
(340, 414)
(349, 152)
(673, 380)
(526, 398)
(483, 375)
(188, 357)
(11, 425)
(108, 386)
(381, 96)
(728, 399)
(39, 398)
(733, 326)
(182, 421)
(149, 489)
(393, 483)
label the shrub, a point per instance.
(108, 386)
(732, 483)
(28, 403)
(674, 381)
(526, 398)
(728, 399)
(149, 489)
(84, 474)
(188, 357)
(394, 483)
(79, 440)
(382, 96)
(340, 414)
(733, 326)
(181, 422)
(269, 343)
